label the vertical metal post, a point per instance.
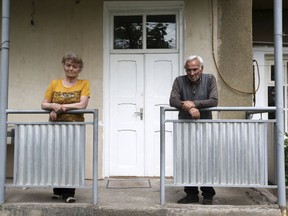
(162, 155)
(4, 94)
(278, 54)
(95, 157)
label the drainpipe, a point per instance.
(4, 94)
(278, 55)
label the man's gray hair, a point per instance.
(193, 57)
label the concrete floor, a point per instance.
(137, 197)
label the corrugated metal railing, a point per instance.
(49, 155)
(53, 153)
(222, 153)
(225, 153)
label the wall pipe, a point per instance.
(278, 61)
(4, 93)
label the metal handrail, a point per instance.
(95, 144)
(163, 120)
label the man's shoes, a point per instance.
(70, 200)
(207, 201)
(188, 199)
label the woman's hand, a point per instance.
(58, 108)
(53, 115)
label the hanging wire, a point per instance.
(1, 46)
(216, 64)
(258, 75)
(32, 22)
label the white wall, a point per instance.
(260, 54)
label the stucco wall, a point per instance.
(229, 23)
(37, 50)
(61, 26)
(235, 54)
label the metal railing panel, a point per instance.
(222, 153)
(49, 155)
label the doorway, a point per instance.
(143, 61)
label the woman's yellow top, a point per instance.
(58, 93)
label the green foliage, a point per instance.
(286, 157)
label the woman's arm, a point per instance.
(47, 105)
(80, 105)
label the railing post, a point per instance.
(162, 155)
(95, 157)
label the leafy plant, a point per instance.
(286, 157)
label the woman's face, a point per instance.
(71, 69)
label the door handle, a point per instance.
(140, 113)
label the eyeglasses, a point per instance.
(74, 66)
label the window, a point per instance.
(158, 31)
(271, 89)
(128, 32)
(161, 32)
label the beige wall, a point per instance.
(235, 53)
(64, 25)
(36, 52)
(232, 40)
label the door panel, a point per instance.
(126, 93)
(139, 86)
(161, 70)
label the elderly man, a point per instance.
(191, 92)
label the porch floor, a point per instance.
(143, 199)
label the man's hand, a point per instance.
(187, 105)
(194, 112)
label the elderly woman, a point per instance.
(66, 94)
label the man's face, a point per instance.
(193, 70)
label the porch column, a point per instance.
(278, 55)
(4, 93)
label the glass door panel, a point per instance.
(128, 31)
(161, 32)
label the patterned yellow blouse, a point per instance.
(57, 93)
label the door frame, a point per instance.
(126, 7)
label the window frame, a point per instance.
(269, 61)
(144, 49)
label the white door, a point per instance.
(161, 70)
(126, 121)
(139, 85)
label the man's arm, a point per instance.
(175, 100)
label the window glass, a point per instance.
(272, 78)
(271, 101)
(161, 32)
(128, 32)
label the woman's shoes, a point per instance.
(67, 200)
(56, 197)
(70, 200)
